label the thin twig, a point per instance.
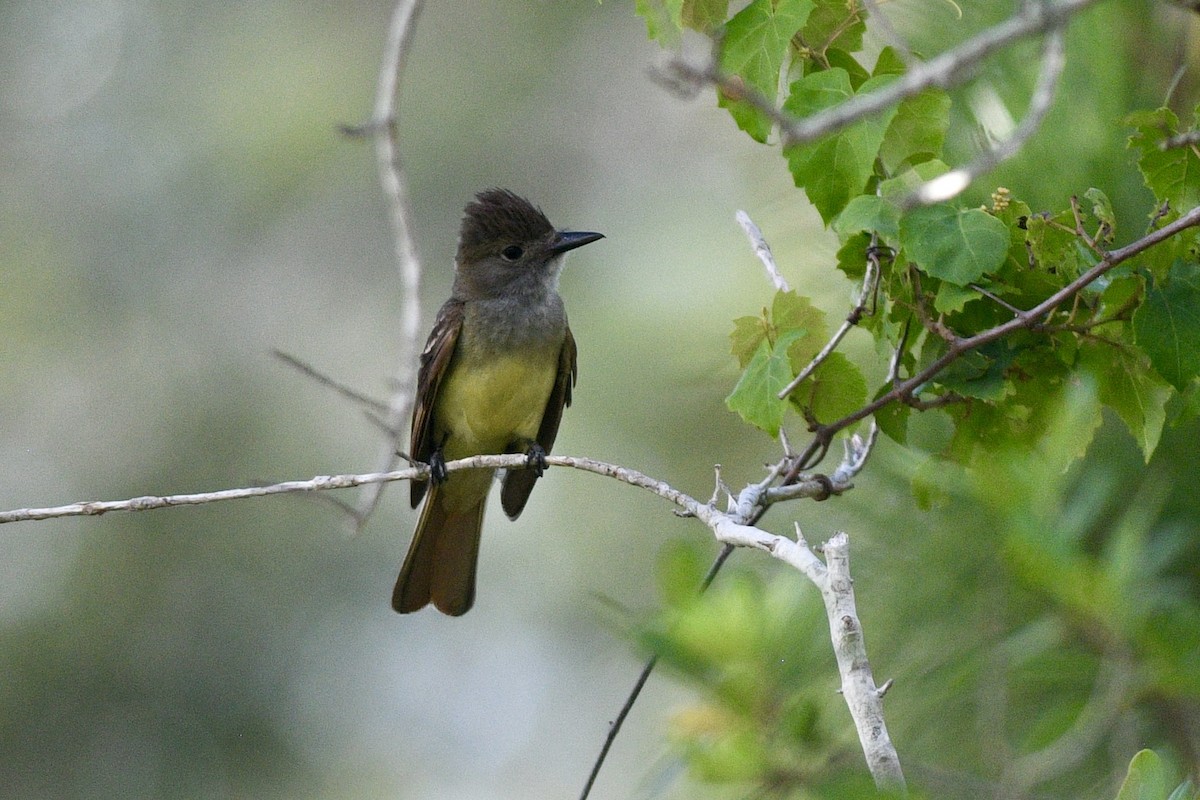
(1186, 139)
(870, 276)
(761, 249)
(944, 71)
(1026, 319)
(345, 391)
(615, 727)
(384, 127)
(326, 482)
(955, 181)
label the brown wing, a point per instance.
(434, 360)
(518, 483)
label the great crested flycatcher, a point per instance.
(495, 376)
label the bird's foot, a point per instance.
(437, 468)
(535, 459)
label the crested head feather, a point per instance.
(498, 216)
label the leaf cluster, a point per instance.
(953, 273)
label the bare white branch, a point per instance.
(325, 482)
(863, 697)
(384, 127)
(762, 250)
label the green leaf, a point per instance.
(893, 421)
(1126, 384)
(793, 313)
(919, 129)
(1146, 778)
(1055, 248)
(909, 180)
(1173, 175)
(662, 18)
(852, 256)
(1102, 208)
(790, 311)
(980, 374)
(868, 212)
(951, 298)
(756, 40)
(756, 396)
(835, 389)
(1167, 325)
(834, 24)
(836, 168)
(917, 132)
(840, 59)
(747, 334)
(889, 62)
(703, 15)
(956, 246)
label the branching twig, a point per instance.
(950, 184)
(729, 529)
(305, 368)
(943, 71)
(383, 126)
(870, 276)
(1026, 319)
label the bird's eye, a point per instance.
(512, 252)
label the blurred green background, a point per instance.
(177, 202)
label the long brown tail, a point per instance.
(440, 566)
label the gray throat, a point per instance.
(516, 321)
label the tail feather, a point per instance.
(440, 566)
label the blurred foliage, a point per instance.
(1034, 604)
(1048, 616)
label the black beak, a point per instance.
(569, 240)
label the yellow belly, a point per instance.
(485, 407)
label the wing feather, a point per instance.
(435, 358)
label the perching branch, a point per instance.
(812, 486)
(729, 528)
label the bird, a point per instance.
(494, 377)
